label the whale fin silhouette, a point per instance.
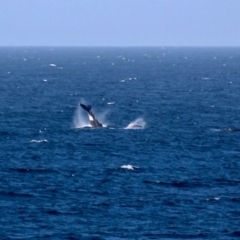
(85, 107)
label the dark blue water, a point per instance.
(176, 178)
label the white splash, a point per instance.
(128, 79)
(39, 141)
(52, 65)
(212, 199)
(110, 103)
(139, 123)
(102, 118)
(129, 167)
(80, 119)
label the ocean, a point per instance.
(176, 175)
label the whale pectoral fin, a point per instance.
(94, 122)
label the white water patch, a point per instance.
(39, 141)
(129, 167)
(128, 79)
(139, 123)
(215, 130)
(52, 65)
(111, 103)
(213, 199)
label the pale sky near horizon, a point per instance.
(119, 22)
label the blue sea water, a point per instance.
(177, 177)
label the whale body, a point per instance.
(94, 122)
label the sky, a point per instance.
(119, 22)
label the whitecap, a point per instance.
(213, 199)
(215, 130)
(110, 103)
(52, 65)
(129, 167)
(39, 141)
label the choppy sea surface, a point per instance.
(175, 177)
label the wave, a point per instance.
(178, 184)
(39, 141)
(33, 170)
(15, 194)
(129, 167)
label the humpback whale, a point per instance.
(94, 122)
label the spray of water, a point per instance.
(102, 118)
(139, 123)
(80, 119)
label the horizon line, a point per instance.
(126, 46)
